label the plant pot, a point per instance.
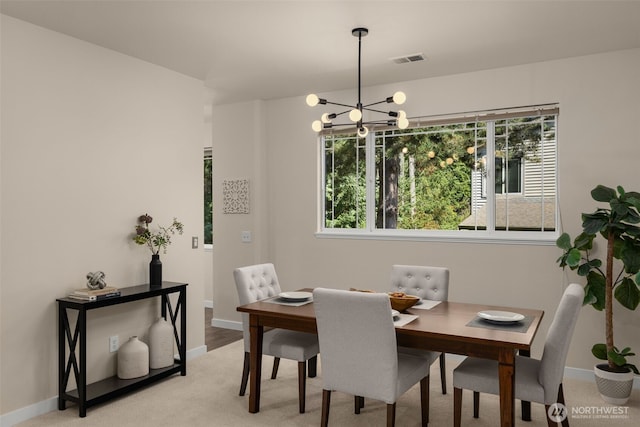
(155, 271)
(614, 386)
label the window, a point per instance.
(208, 197)
(489, 176)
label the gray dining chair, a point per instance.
(536, 380)
(359, 352)
(428, 283)
(258, 282)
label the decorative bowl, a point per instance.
(401, 301)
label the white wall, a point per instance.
(91, 139)
(599, 99)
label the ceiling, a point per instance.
(262, 49)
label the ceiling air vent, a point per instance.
(408, 58)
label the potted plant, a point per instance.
(155, 240)
(617, 277)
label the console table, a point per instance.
(87, 395)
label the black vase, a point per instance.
(155, 271)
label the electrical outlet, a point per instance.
(245, 236)
(113, 344)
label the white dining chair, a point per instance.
(359, 352)
(536, 380)
(428, 283)
(258, 282)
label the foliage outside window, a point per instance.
(492, 176)
(208, 197)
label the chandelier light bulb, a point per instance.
(402, 114)
(403, 123)
(325, 118)
(355, 115)
(399, 97)
(363, 131)
(312, 100)
(316, 125)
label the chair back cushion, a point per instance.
(254, 283)
(430, 283)
(357, 343)
(556, 347)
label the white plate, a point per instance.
(395, 314)
(500, 316)
(295, 296)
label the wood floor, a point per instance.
(217, 337)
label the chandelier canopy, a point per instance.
(355, 112)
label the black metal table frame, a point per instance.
(87, 395)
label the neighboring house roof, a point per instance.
(525, 213)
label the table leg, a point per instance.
(526, 406)
(255, 370)
(82, 380)
(506, 374)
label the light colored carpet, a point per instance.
(208, 396)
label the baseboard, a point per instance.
(208, 303)
(572, 373)
(226, 324)
(23, 414)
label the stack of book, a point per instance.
(87, 294)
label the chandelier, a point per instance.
(355, 113)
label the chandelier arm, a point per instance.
(374, 103)
(341, 105)
(377, 111)
(342, 112)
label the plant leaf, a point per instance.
(616, 358)
(594, 223)
(584, 241)
(595, 289)
(573, 257)
(564, 241)
(630, 256)
(603, 194)
(627, 293)
(599, 351)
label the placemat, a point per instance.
(426, 304)
(278, 300)
(403, 319)
(521, 326)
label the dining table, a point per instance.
(448, 327)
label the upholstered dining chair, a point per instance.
(359, 352)
(428, 283)
(257, 282)
(536, 380)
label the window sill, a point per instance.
(498, 237)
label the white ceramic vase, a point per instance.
(133, 359)
(160, 344)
